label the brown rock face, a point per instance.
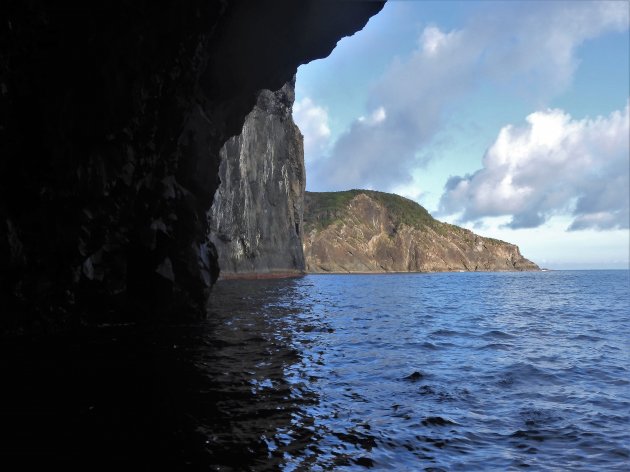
(365, 231)
(112, 115)
(256, 218)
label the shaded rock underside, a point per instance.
(112, 115)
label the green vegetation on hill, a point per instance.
(369, 231)
(324, 208)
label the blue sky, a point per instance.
(508, 118)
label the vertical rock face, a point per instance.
(256, 217)
(112, 115)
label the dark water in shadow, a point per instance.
(396, 372)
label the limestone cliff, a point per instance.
(256, 217)
(367, 231)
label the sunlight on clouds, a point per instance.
(378, 116)
(551, 165)
(313, 123)
(516, 48)
(433, 40)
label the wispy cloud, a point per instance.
(515, 47)
(313, 123)
(550, 165)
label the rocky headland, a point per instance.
(256, 218)
(367, 231)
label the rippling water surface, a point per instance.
(453, 371)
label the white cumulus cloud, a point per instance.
(522, 49)
(550, 165)
(313, 123)
(433, 40)
(376, 117)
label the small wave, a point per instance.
(364, 461)
(498, 346)
(362, 440)
(442, 394)
(534, 418)
(414, 377)
(525, 373)
(529, 435)
(437, 421)
(586, 337)
(445, 332)
(497, 334)
(428, 345)
(567, 434)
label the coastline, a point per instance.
(419, 272)
(296, 274)
(261, 275)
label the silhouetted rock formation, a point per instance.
(367, 231)
(112, 115)
(256, 217)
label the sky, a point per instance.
(508, 118)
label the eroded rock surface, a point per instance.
(256, 217)
(367, 231)
(112, 115)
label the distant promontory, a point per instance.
(368, 231)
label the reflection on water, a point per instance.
(217, 393)
(399, 372)
(260, 406)
(267, 366)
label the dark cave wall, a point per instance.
(112, 115)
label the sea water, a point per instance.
(448, 371)
(444, 371)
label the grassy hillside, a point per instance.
(384, 232)
(324, 208)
